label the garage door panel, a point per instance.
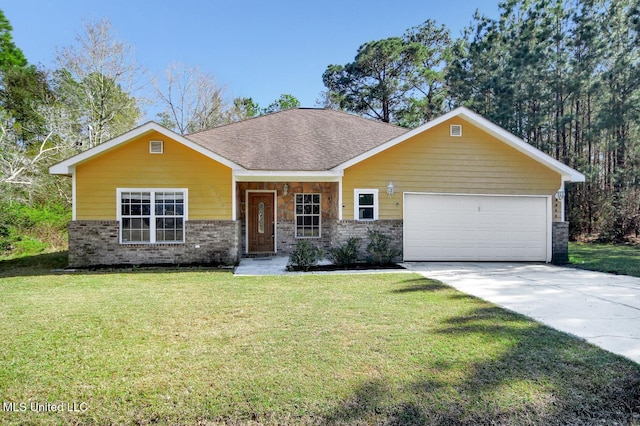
(473, 227)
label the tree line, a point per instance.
(561, 74)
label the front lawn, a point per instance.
(187, 347)
(613, 258)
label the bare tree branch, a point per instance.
(16, 165)
(98, 80)
(192, 100)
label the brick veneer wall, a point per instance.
(93, 243)
(560, 242)
(287, 240)
(336, 233)
(345, 229)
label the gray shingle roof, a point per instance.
(296, 139)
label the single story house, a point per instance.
(458, 188)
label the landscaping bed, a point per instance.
(348, 267)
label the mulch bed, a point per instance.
(349, 267)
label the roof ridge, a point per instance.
(373, 120)
(282, 111)
(244, 120)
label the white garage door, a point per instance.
(475, 227)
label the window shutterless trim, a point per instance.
(356, 204)
(312, 227)
(152, 215)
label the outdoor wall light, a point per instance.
(390, 189)
(560, 194)
(285, 189)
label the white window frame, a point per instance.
(296, 215)
(152, 216)
(356, 204)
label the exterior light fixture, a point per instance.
(390, 189)
(560, 194)
(285, 189)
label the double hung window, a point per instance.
(152, 216)
(308, 215)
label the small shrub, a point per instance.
(28, 246)
(346, 254)
(380, 249)
(5, 246)
(305, 255)
(5, 234)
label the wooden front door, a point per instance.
(261, 222)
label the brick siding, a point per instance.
(560, 243)
(346, 229)
(93, 243)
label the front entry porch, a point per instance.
(273, 216)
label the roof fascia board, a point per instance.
(65, 167)
(567, 173)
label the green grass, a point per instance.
(613, 258)
(198, 346)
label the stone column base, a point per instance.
(560, 243)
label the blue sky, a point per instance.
(257, 49)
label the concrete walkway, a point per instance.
(273, 265)
(277, 265)
(603, 309)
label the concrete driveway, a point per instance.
(603, 309)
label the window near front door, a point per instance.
(366, 204)
(307, 215)
(151, 216)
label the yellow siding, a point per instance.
(433, 161)
(132, 166)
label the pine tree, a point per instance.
(10, 54)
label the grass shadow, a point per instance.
(543, 377)
(368, 406)
(57, 263)
(40, 264)
(421, 284)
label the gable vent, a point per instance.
(155, 147)
(456, 130)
